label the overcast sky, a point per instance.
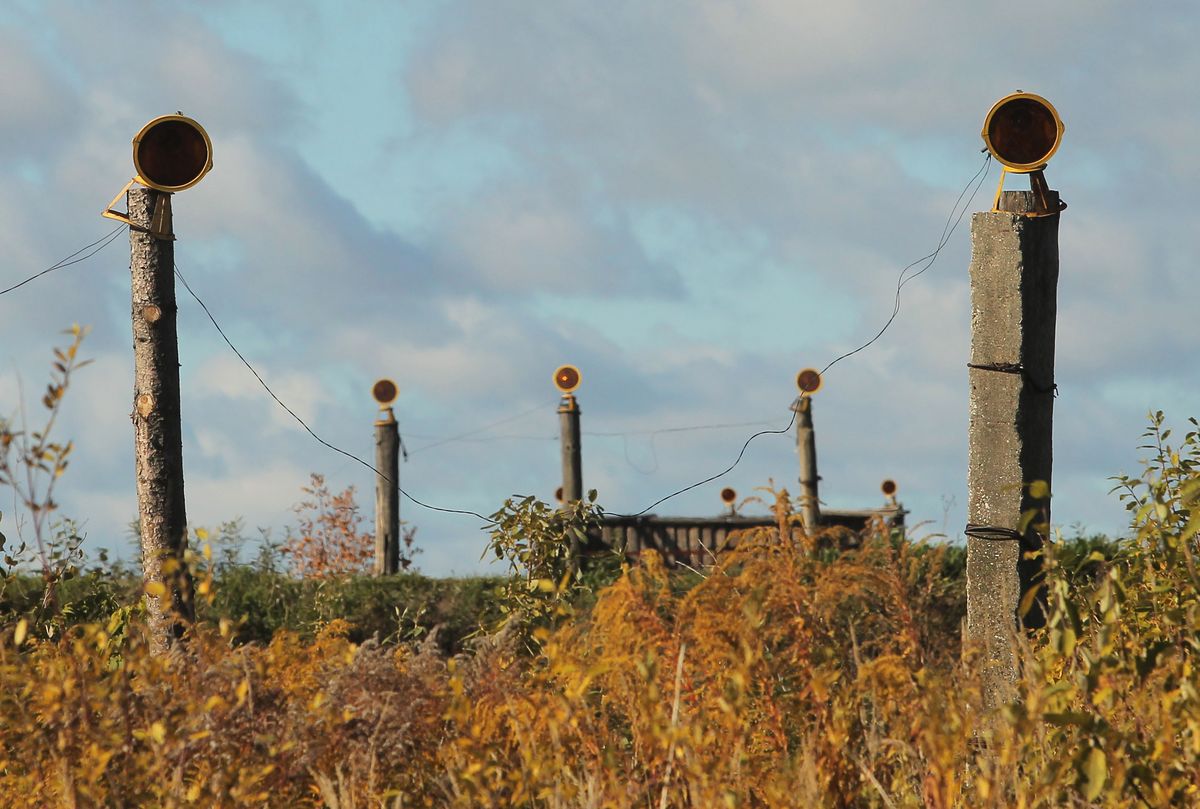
(689, 201)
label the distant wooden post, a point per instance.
(572, 459)
(387, 494)
(806, 446)
(387, 481)
(158, 433)
(572, 454)
(1014, 282)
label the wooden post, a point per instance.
(158, 439)
(572, 458)
(387, 494)
(1014, 281)
(806, 446)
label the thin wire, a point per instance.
(486, 427)
(720, 474)
(103, 242)
(688, 429)
(486, 438)
(301, 421)
(653, 434)
(947, 232)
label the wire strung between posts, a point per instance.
(720, 474)
(659, 431)
(947, 232)
(653, 434)
(95, 247)
(952, 222)
(467, 435)
(301, 421)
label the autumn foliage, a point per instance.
(328, 539)
(780, 676)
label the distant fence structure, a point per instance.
(698, 540)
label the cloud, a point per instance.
(690, 201)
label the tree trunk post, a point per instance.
(158, 433)
(387, 494)
(1014, 281)
(572, 459)
(806, 446)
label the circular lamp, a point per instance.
(1022, 131)
(172, 153)
(566, 378)
(385, 392)
(809, 381)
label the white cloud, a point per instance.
(690, 201)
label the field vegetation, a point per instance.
(781, 674)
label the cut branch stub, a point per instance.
(145, 405)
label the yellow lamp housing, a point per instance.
(170, 153)
(566, 378)
(1023, 131)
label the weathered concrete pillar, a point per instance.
(806, 447)
(1014, 281)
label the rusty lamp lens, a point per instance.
(888, 487)
(808, 380)
(566, 378)
(384, 392)
(1022, 131)
(172, 153)
(728, 495)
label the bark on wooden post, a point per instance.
(806, 446)
(1014, 281)
(572, 458)
(158, 439)
(387, 494)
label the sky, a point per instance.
(689, 201)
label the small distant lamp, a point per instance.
(809, 381)
(384, 391)
(729, 498)
(566, 378)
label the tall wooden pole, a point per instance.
(806, 446)
(387, 494)
(572, 458)
(158, 434)
(1014, 283)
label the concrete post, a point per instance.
(158, 433)
(1014, 280)
(387, 494)
(572, 458)
(806, 446)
